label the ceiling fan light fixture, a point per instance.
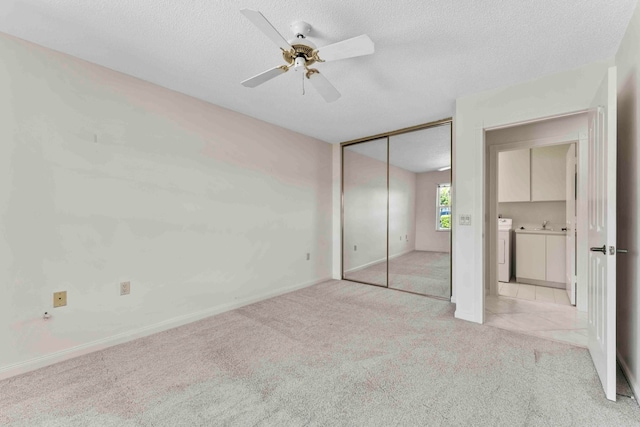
(299, 63)
(300, 53)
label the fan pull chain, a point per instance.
(302, 83)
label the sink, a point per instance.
(543, 229)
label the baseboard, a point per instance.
(369, 264)
(90, 347)
(556, 285)
(633, 381)
(399, 254)
(463, 315)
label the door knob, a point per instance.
(603, 249)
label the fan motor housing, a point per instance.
(299, 50)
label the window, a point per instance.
(443, 207)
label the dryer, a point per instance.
(505, 225)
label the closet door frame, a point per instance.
(387, 135)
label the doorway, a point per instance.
(396, 210)
(596, 231)
(537, 198)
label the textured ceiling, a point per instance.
(428, 53)
(425, 150)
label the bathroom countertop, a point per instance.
(549, 232)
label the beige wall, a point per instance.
(427, 238)
(402, 211)
(365, 210)
(106, 178)
(531, 214)
(628, 268)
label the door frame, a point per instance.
(490, 184)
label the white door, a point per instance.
(601, 292)
(571, 224)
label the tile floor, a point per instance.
(538, 311)
(533, 293)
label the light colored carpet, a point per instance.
(422, 272)
(334, 354)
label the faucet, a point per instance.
(544, 224)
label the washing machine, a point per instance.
(505, 227)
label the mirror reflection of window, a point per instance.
(396, 201)
(443, 203)
(420, 206)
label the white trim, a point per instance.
(539, 119)
(628, 373)
(369, 264)
(363, 266)
(90, 347)
(471, 317)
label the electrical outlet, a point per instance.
(125, 288)
(59, 299)
(308, 256)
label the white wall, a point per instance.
(531, 214)
(427, 237)
(201, 208)
(365, 210)
(545, 97)
(628, 268)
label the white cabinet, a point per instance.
(530, 256)
(556, 248)
(514, 176)
(548, 173)
(540, 258)
(534, 175)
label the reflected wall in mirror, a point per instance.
(420, 211)
(365, 212)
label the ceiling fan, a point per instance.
(299, 53)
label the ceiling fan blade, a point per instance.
(265, 26)
(322, 85)
(264, 76)
(357, 46)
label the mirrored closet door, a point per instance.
(420, 211)
(365, 204)
(397, 211)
